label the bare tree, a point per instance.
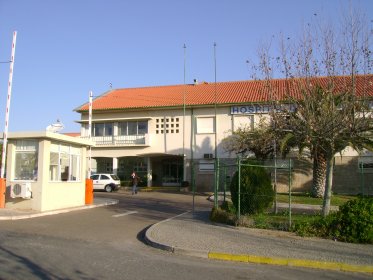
(328, 79)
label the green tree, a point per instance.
(258, 140)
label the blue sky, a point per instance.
(67, 48)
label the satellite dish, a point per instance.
(55, 127)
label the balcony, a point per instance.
(121, 140)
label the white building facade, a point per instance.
(172, 134)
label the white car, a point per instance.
(107, 182)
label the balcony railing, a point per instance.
(121, 140)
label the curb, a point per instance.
(292, 262)
(60, 211)
(188, 252)
(252, 258)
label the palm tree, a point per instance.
(326, 122)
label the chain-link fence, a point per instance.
(254, 186)
(290, 180)
(365, 165)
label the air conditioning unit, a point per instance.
(208, 156)
(22, 190)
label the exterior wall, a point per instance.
(59, 195)
(197, 144)
(169, 143)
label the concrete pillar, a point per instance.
(115, 166)
(149, 172)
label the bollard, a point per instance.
(2, 192)
(88, 191)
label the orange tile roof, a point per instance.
(72, 134)
(238, 92)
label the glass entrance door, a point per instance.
(172, 172)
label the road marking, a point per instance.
(124, 214)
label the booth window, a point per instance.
(26, 160)
(64, 163)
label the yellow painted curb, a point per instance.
(291, 262)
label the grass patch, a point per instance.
(281, 221)
(353, 222)
(303, 198)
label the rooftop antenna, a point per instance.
(55, 127)
(5, 141)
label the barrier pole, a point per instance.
(10, 83)
(2, 192)
(88, 191)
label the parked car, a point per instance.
(107, 182)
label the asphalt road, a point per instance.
(107, 243)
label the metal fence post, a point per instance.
(225, 183)
(290, 162)
(216, 183)
(193, 183)
(239, 189)
(362, 179)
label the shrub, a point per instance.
(219, 215)
(354, 221)
(228, 206)
(256, 192)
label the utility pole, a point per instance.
(216, 136)
(184, 93)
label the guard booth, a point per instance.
(45, 171)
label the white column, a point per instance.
(115, 166)
(149, 172)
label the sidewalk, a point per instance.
(14, 214)
(195, 235)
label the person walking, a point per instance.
(135, 181)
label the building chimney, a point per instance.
(195, 82)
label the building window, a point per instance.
(365, 164)
(64, 163)
(205, 125)
(142, 127)
(133, 128)
(102, 129)
(105, 165)
(243, 121)
(26, 160)
(206, 165)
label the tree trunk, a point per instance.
(328, 187)
(319, 175)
